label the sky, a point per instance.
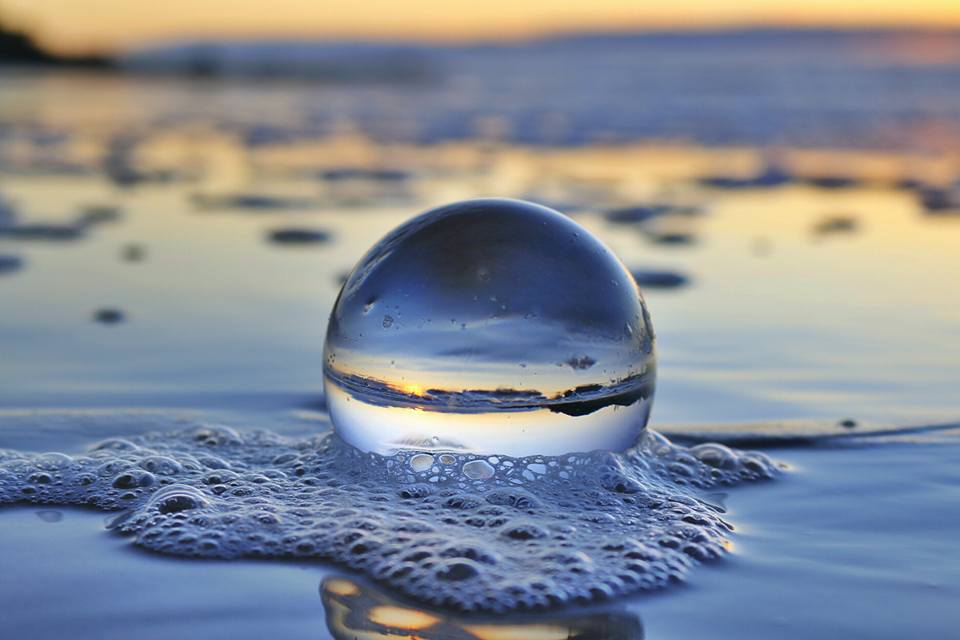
(82, 25)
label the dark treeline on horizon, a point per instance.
(403, 60)
(19, 48)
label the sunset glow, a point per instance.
(71, 25)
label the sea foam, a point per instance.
(467, 531)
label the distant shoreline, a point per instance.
(410, 60)
(20, 49)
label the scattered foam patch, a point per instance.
(475, 533)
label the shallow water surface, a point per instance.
(804, 562)
(471, 532)
(168, 266)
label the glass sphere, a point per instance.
(490, 326)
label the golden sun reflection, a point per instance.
(413, 389)
(525, 632)
(356, 611)
(341, 587)
(401, 618)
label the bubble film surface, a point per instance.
(471, 532)
(490, 326)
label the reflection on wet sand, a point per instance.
(358, 611)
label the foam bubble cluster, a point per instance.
(476, 533)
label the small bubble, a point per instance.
(421, 462)
(457, 571)
(478, 470)
(114, 444)
(176, 498)
(134, 479)
(54, 461)
(715, 455)
(161, 465)
(524, 531)
(50, 515)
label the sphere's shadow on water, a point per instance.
(354, 610)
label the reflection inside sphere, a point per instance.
(490, 326)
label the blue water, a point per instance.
(809, 556)
(886, 89)
(773, 317)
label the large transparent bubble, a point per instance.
(490, 326)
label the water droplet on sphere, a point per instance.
(516, 292)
